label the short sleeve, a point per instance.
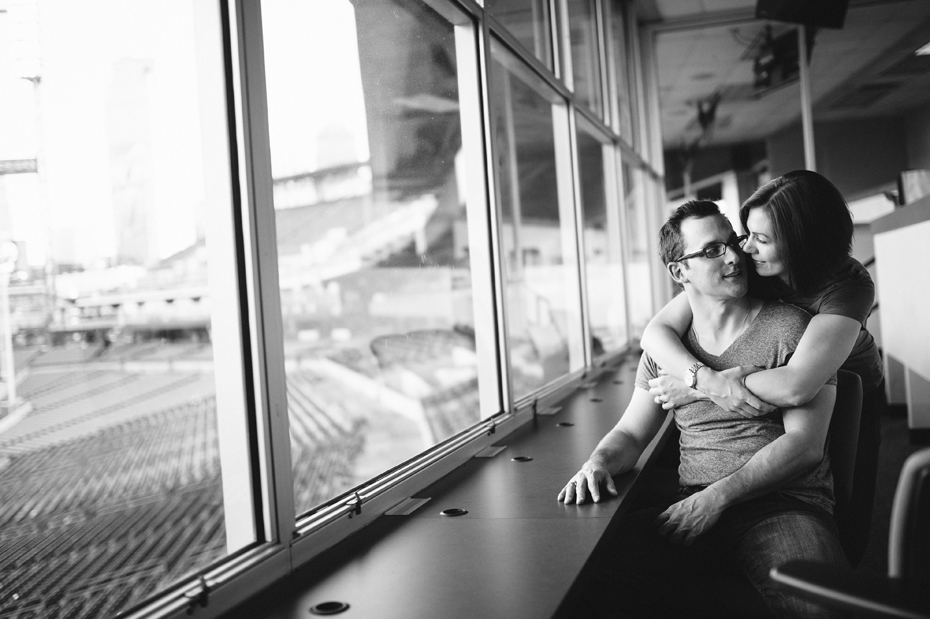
(853, 299)
(646, 371)
(851, 295)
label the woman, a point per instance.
(800, 236)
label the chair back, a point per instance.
(909, 533)
(844, 437)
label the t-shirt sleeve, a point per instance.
(646, 371)
(852, 297)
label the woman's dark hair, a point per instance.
(813, 226)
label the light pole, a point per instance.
(9, 252)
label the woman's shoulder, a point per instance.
(850, 275)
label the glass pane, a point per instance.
(603, 262)
(528, 21)
(586, 61)
(110, 472)
(372, 236)
(637, 242)
(537, 232)
(626, 92)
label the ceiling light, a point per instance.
(924, 51)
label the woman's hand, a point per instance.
(727, 389)
(672, 392)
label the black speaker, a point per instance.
(818, 13)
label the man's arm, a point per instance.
(789, 456)
(618, 451)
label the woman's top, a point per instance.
(850, 293)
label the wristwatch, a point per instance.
(691, 375)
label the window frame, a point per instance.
(284, 542)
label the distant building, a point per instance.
(131, 170)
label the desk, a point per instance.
(514, 555)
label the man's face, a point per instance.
(721, 277)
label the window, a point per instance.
(543, 308)
(586, 59)
(601, 224)
(529, 22)
(374, 254)
(121, 462)
(261, 259)
(626, 91)
(638, 249)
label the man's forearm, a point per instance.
(617, 452)
(784, 459)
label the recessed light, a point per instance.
(924, 51)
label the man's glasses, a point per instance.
(715, 250)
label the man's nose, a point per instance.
(734, 254)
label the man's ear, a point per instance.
(678, 272)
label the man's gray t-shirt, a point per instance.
(715, 443)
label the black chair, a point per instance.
(906, 590)
(842, 446)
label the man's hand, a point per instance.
(728, 390)
(587, 481)
(685, 520)
(672, 392)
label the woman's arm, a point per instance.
(823, 348)
(662, 337)
(662, 340)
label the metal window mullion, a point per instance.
(636, 67)
(561, 60)
(264, 297)
(610, 53)
(624, 239)
(495, 217)
(602, 26)
(615, 244)
(647, 87)
(472, 82)
(652, 107)
(581, 258)
(229, 329)
(565, 184)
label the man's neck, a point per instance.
(718, 322)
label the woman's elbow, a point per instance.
(800, 395)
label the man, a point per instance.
(756, 492)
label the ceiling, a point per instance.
(705, 49)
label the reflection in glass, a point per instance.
(625, 86)
(603, 262)
(528, 21)
(372, 237)
(638, 248)
(109, 461)
(586, 64)
(537, 234)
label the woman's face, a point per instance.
(761, 247)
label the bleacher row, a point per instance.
(99, 523)
(77, 353)
(74, 404)
(110, 489)
(326, 439)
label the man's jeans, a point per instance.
(644, 575)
